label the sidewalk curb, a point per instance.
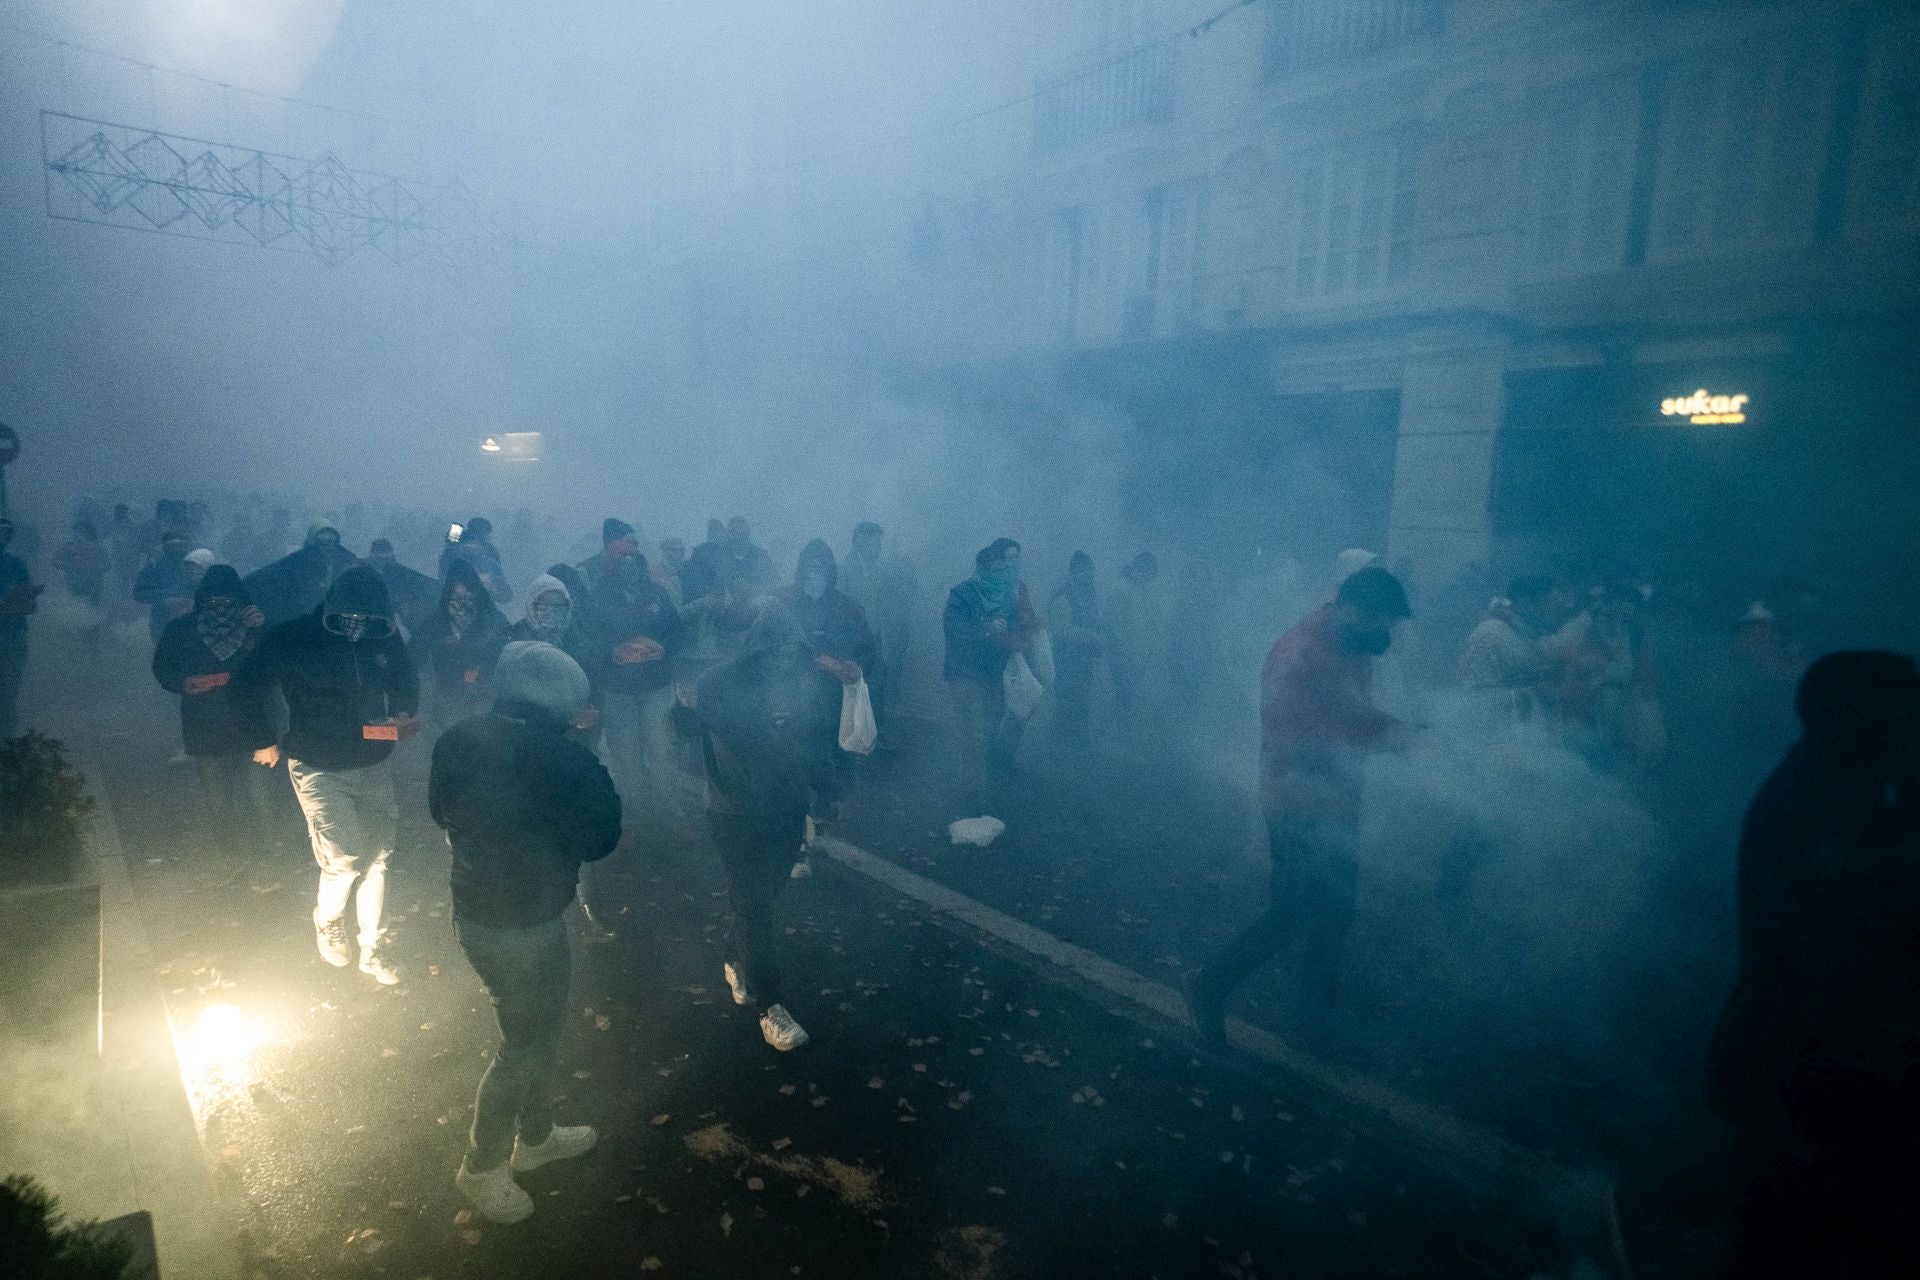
(1581, 1203)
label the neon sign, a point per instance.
(1704, 409)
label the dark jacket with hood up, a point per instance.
(768, 723)
(460, 667)
(522, 807)
(834, 624)
(334, 686)
(210, 721)
(297, 582)
(627, 605)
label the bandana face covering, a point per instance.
(355, 627)
(220, 628)
(461, 611)
(550, 619)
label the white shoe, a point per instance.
(564, 1143)
(336, 948)
(780, 1030)
(803, 869)
(494, 1194)
(737, 984)
(375, 964)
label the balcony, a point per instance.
(1302, 34)
(1121, 93)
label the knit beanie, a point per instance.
(542, 676)
(612, 529)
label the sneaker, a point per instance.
(494, 1194)
(737, 984)
(375, 964)
(1208, 1011)
(780, 1030)
(803, 869)
(336, 948)
(564, 1143)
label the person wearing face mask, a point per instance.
(166, 584)
(475, 546)
(552, 619)
(988, 619)
(197, 659)
(837, 629)
(631, 632)
(352, 696)
(413, 593)
(1317, 723)
(882, 583)
(19, 597)
(768, 725)
(458, 644)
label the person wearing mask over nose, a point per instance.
(768, 724)
(631, 632)
(413, 593)
(19, 597)
(884, 587)
(1317, 723)
(166, 584)
(1816, 1058)
(197, 659)
(618, 541)
(1081, 643)
(552, 619)
(351, 696)
(988, 620)
(523, 808)
(458, 644)
(843, 643)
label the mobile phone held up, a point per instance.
(454, 531)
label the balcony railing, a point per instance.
(1311, 33)
(1134, 89)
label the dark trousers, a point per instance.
(1315, 877)
(233, 793)
(757, 851)
(526, 973)
(13, 666)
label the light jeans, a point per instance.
(646, 767)
(353, 817)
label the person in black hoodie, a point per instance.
(768, 724)
(197, 658)
(352, 695)
(1816, 1060)
(295, 583)
(523, 807)
(412, 592)
(458, 644)
(843, 643)
(632, 631)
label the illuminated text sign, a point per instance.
(1706, 409)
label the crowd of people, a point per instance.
(570, 719)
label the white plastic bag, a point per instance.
(1023, 690)
(857, 728)
(1040, 657)
(979, 832)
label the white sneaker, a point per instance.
(564, 1143)
(780, 1030)
(803, 869)
(375, 964)
(336, 947)
(737, 984)
(494, 1194)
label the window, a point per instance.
(1583, 177)
(1354, 220)
(1116, 93)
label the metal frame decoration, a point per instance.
(123, 176)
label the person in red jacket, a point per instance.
(1317, 723)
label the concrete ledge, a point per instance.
(1580, 1204)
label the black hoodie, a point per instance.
(835, 624)
(210, 723)
(334, 687)
(461, 667)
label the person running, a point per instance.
(458, 644)
(523, 807)
(352, 696)
(768, 726)
(197, 659)
(1317, 722)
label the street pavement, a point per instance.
(957, 1114)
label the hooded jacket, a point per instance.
(210, 722)
(460, 666)
(522, 807)
(768, 723)
(975, 651)
(334, 687)
(296, 583)
(627, 606)
(572, 641)
(833, 624)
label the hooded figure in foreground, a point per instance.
(352, 696)
(768, 725)
(523, 807)
(1816, 1061)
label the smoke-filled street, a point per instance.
(989, 639)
